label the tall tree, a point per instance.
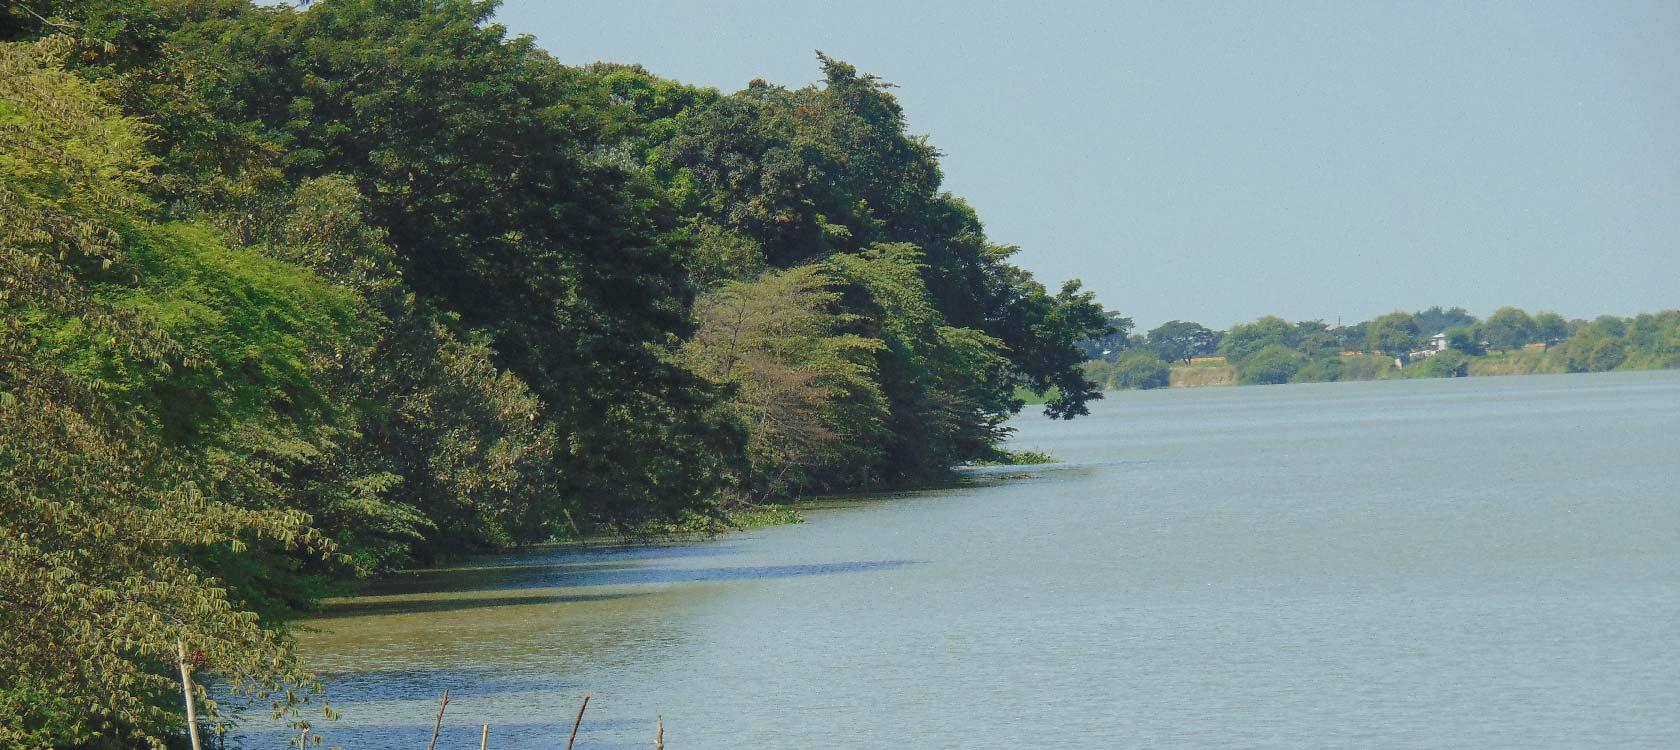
(1394, 334)
(1177, 340)
(1508, 328)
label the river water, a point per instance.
(1484, 562)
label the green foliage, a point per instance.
(1393, 334)
(1320, 370)
(1273, 363)
(1508, 328)
(805, 390)
(1550, 329)
(1140, 370)
(1435, 320)
(105, 524)
(1016, 458)
(1177, 340)
(1246, 339)
(1466, 340)
(1447, 364)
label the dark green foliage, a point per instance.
(1394, 334)
(1448, 364)
(1319, 370)
(1466, 340)
(1245, 339)
(1508, 328)
(795, 176)
(1178, 340)
(1273, 363)
(1110, 345)
(1435, 320)
(320, 290)
(1140, 370)
(1550, 329)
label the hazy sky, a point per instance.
(1221, 161)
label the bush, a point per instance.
(1320, 370)
(1275, 363)
(1595, 354)
(1447, 364)
(1140, 370)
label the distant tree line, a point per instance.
(1274, 350)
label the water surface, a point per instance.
(1485, 562)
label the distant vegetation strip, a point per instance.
(1433, 343)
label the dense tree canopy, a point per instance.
(1178, 340)
(314, 291)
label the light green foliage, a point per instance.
(69, 163)
(948, 388)
(1273, 363)
(103, 527)
(1016, 458)
(805, 390)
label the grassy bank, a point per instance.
(1201, 373)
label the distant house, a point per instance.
(1437, 344)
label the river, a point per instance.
(1487, 562)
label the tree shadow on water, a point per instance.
(608, 574)
(385, 606)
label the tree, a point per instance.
(106, 518)
(1272, 364)
(1508, 328)
(1112, 344)
(1393, 334)
(481, 160)
(1177, 340)
(1466, 340)
(1140, 370)
(1435, 320)
(1597, 346)
(1315, 340)
(805, 390)
(1245, 339)
(1550, 329)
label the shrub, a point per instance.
(1319, 370)
(1274, 363)
(1140, 370)
(1447, 364)
(1597, 354)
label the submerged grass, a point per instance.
(720, 521)
(1017, 458)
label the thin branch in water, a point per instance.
(438, 726)
(579, 721)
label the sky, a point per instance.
(1217, 162)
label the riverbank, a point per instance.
(1215, 371)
